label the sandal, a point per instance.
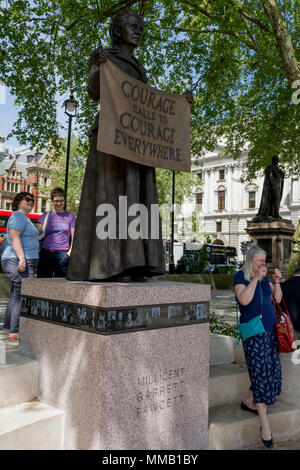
(244, 407)
(269, 443)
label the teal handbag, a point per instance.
(253, 327)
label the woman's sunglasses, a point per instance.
(29, 199)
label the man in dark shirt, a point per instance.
(291, 294)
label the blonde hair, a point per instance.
(247, 267)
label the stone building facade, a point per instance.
(24, 170)
(226, 205)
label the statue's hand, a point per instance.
(101, 56)
(189, 96)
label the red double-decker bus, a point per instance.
(4, 216)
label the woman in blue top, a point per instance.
(254, 292)
(20, 257)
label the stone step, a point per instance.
(221, 349)
(290, 444)
(224, 350)
(31, 426)
(18, 379)
(228, 384)
(232, 428)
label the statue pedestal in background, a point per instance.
(295, 254)
(127, 363)
(275, 237)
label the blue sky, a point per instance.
(9, 115)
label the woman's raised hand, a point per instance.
(261, 272)
(276, 275)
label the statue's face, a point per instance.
(131, 31)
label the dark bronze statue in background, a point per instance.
(107, 177)
(271, 194)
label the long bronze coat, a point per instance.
(271, 193)
(106, 178)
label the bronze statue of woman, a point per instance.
(107, 177)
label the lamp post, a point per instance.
(70, 107)
(171, 262)
(229, 222)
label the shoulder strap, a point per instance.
(261, 298)
(237, 310)
(237, 322)
(45, 222)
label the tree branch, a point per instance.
(254, 20)
(230, 32)
(119, 6)
(284, 42)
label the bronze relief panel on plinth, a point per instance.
(117, 320)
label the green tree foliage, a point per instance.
(239, 57)
(78, 158)
(185, 186)
(198, 266)
(202, 260)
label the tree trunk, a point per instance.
(286, 49)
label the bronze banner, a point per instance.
(142, 124)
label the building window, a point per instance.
(8, 206)
(28, 188)
(200, 175)
(252, 200)
(8, 186)
(199, 198)
(221, 200)
(221, 174)
(218, 227)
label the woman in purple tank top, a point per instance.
(58, 227)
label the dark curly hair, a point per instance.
(117, 21)
(18, 198)
(58, 192)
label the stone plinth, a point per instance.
(140, 386)
(275, 238)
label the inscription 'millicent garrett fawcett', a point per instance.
(160, 391)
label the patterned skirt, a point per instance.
(263, 362)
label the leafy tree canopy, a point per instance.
(78, 157)
(240, 58)
(185, 186)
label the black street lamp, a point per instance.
(171, 262)
(71, 111)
